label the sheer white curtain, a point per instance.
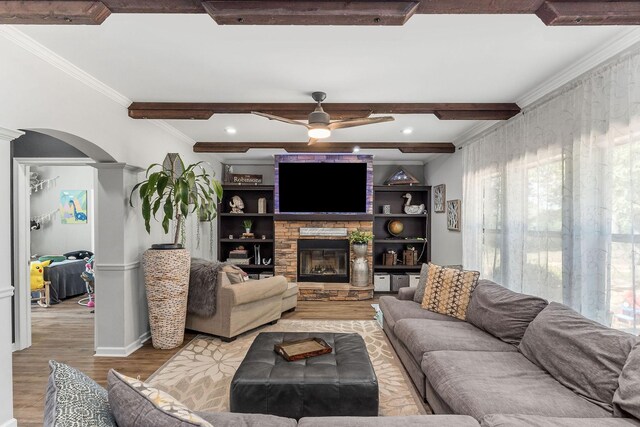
(552, 198)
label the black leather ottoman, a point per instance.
(336, 384)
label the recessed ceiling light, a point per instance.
(230, 130)
(407, 131)
(356, 149)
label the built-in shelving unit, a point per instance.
(417, 228)
(230, 224)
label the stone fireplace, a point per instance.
(287, 241)
(323, 260)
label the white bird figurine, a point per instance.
(412, 209)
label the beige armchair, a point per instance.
(241, 307)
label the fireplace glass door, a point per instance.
(323, 261)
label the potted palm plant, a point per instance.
(175, 191)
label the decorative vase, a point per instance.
(360, 269)
(166, 277)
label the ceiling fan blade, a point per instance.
(312, 141)
(359, 122)
(280, 119)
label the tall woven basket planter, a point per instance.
(166, 277)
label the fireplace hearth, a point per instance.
(322, 260)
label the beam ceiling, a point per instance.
(324, 147)
(359, 12)
(299, 111)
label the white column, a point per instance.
(121, 315)
(6, 288)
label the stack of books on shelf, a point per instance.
(239, 257)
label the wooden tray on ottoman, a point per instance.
(302, 349)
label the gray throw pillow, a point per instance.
(626, 400)
(579, 353)
(418, 296)
(501, 312)
(72, 399)
(136, 404)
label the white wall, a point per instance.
(55, 238)
(6, 288)
(446, 245)
(41, 91)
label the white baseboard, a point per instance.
(11, 423)
(122, 351)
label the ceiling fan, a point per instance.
(319, 124)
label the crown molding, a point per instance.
(31, 45)
(612, 48)
(9, 134)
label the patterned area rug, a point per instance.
(200, 374)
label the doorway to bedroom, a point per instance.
(61, 234)
(54, 238)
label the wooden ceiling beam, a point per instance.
(299, 111)
(589, 13)
(324, 147)
(155, 6)
(356, 12)
(423, 7)
(53, 12)
(272, 12)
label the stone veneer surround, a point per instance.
(287, 234)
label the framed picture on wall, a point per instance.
(439, 198)
(453, 214)
(73, 206)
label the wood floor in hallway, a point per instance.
(64, 332)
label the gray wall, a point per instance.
(446, 245)
(33, 144)
(55, 238)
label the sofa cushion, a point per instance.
(73, 399)
(394, 309)
(501, 420)
(136, 404)
(479, 383)
(230, 419)
(235, 274)
(418, 296)
(448, 290)
(413, 420)
(501, 312)
(626, 399)
(422, 335)
(581, 354)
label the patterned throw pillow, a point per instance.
(75, 400)
(136, 404)
(448, 290)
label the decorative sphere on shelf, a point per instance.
(395, 227)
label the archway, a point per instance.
(89, 154)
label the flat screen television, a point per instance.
(318, 187)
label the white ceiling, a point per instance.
(433, 58)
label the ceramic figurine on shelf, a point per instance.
(237, 205)
(412, 209)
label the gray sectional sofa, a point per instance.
(516, 361)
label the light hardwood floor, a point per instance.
(64, 332)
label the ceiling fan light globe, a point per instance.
(319, 133)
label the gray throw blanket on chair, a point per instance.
(203, 284)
